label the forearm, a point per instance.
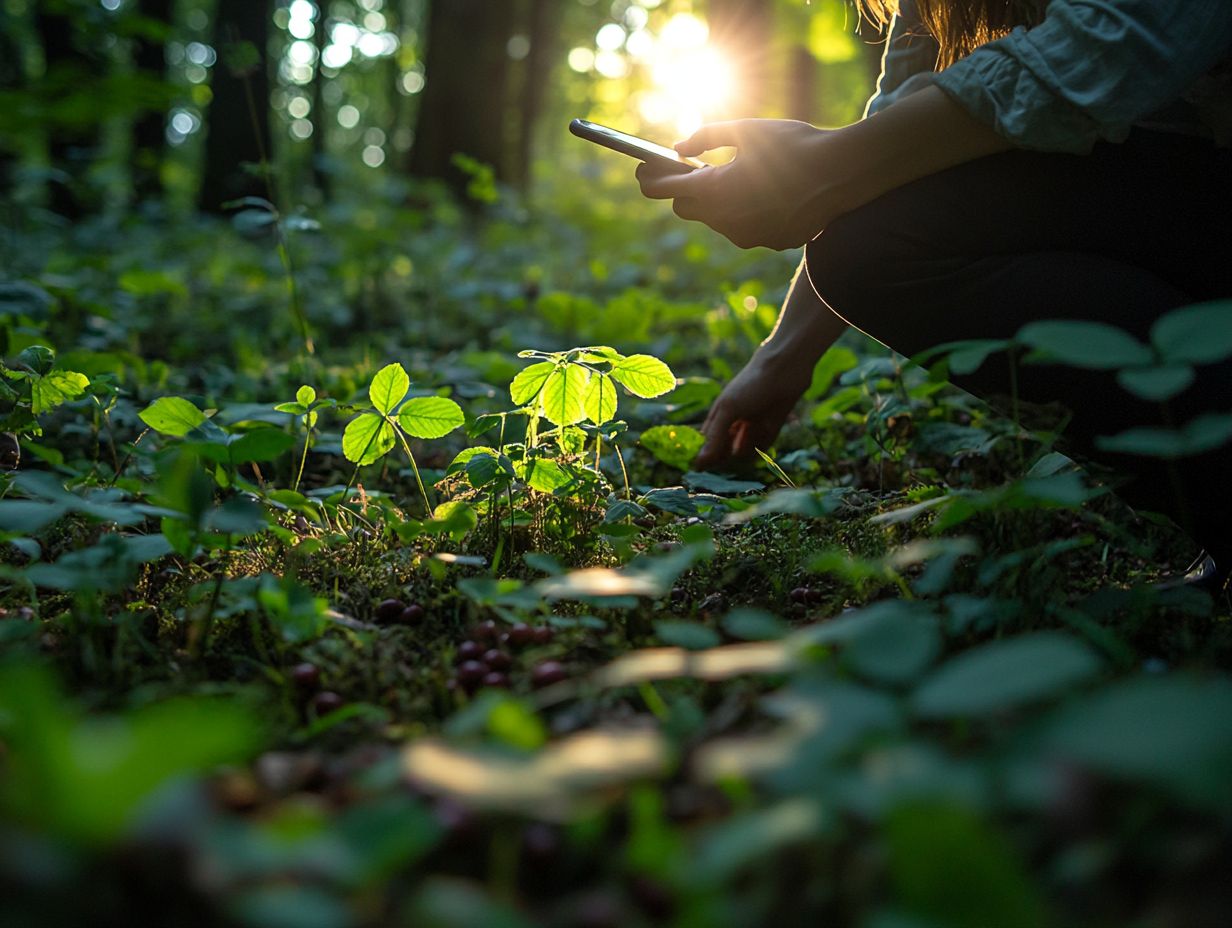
(805, 330)
(920, 135)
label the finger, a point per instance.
(717, 447)
(669, 186)
(713, 135)
(687, 208)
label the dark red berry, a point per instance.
(486, 631)
(412, 614)
(470, 673)
(497, 660)
(547, 673)
(543, 634)
(494, 680)
(800, 595)
(389, 610)
(325, 702)
(306, 675)
(521, 634)
(815, 595)
(469, 651)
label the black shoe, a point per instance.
(1202, 574)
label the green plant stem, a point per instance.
(414, 467)
(623, 472)
(303, 459)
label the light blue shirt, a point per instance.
(1090, 71)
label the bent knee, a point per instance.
(843, 264)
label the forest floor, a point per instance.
(327, 664)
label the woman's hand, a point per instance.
(789, 179)
(751, 410)
(771, 194)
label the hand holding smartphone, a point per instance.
(660, 156)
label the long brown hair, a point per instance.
(960, 26)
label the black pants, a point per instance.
(1121, 236)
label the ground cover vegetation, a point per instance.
(354, 572)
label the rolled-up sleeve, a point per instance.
(909, 51)
(1090, 70)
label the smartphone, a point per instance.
(642, 150)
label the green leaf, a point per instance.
(295, 409)
(1170, 731)
(172, 415)
(529, 382)
(1006, 674)
(1158, 383)
(50, 390)
(388, 387)
(644, 375)
(430, 416)
(1200, 435)
(1195, 334)
(951, 867)
(544, 475)
(835, 361)
(691, 636)
(674, 445)
(1092, 345)
(264, 444)
(305, 395)
(562, 395)
(368, 438)
(600, 399)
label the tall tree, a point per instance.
(11, 78)
(463, 108)
(149, 127)
(542, 28)
(237, 141)
(73, 69)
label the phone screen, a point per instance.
(631, 145)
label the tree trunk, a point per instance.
(73, 140)
(320, 122)
(743, 31)
(150, 125)
(237, 141)
(802, 85)
(11, 78)
(542, 29)
(463, 108)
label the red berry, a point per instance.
(389, 610)
(486, 631)
(325, 702)
(468, 651)
(800, 594)
(547, 673)
(521, 634)
(411, 614)
(470, 673)
(497, 660)
(542, 634)
(306, 675)
(495, 680)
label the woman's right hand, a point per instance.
(751, 410)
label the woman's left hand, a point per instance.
(773, 193)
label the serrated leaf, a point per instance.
(368, 438)
(644, 375)
(1157, 383)
(305, 395)
(1091, 345)
(1195, 334)
(562, 395)
(600, 399)
(545, 475)
(674, 445)
(172, 415)
(388, 387)
(529, 382)
(265, 444)
(430, 416)
(50, 390)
